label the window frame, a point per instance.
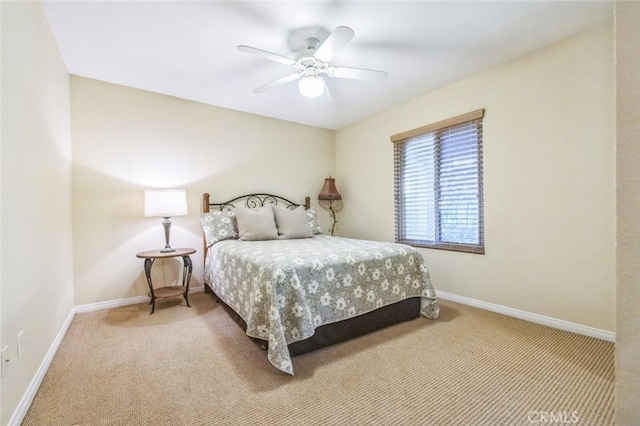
(435, 130)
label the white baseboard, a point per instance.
(30, 393)
(91, 307)
(27, 398)
(528, 316)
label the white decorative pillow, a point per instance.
(313, 221)
(218, 226)
(256, 224)
(292, 223)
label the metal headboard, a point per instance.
(251, 201)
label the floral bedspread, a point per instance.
(285, 289)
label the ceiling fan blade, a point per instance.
(278, 82)
(267, 55)
(356, 73)
(336, 41)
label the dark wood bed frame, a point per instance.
(325, 335)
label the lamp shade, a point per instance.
(310, 86)
(329, 190)
(165, 202)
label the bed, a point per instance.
(293, 289)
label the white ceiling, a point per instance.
(188, 49)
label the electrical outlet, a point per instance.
(4, 361)
(20, 347)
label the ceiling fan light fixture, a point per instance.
(310, 86)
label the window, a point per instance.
(438, 185)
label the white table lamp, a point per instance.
(165, 203)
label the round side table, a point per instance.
(168, 291)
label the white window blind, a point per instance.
(438, 185)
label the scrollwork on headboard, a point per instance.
(251, 201)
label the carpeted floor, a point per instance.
(183, 366)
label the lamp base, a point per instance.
(332, 230)
(166, 223)
(333, 210)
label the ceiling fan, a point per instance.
(313, 62)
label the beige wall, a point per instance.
(37, 252)
(549, 181)
(628, 206)
(126, 140)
